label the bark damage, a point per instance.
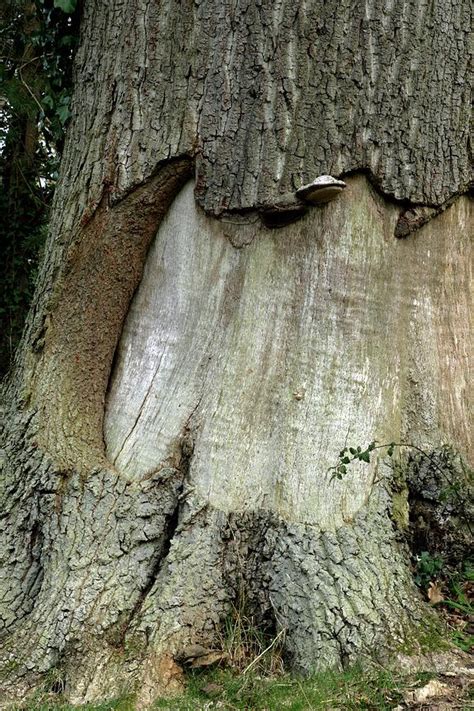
(110, 573)
(83, 296)
(107, 575)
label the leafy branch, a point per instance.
(348, 455)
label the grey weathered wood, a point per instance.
(273, 355)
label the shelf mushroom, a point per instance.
(290, 207)
(324, 189)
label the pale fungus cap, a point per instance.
(324, 189)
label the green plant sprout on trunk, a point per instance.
(349, 455)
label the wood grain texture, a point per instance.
(271, 356)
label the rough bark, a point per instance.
(247, 355)
(269, 95)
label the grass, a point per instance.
(459, 608)
(47, 702)
(376, 690)
(330, 690)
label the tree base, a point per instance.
(177, 571)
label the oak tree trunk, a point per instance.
(188, 374)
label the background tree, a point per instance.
(168, 454)
(37, 41)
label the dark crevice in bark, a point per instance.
(441, 512)
(32, 580)
(246, 553)
(322, 588)
(344, 656)
(280, 217)
(170, 530)
(168, 536)
(155, 569)
(413, 215)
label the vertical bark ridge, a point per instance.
(268, 96)
(100, 549)
(325, 588)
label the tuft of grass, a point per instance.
(247, 647)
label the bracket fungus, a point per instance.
(291, 206)
(324, 189)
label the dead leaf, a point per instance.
(433, 689)
(434, 594)
(207, 660)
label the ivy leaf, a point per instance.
(66, 5)
(345, 460)
(364, 456)
(63, 113)
(48, 101)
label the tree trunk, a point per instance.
(188, 375)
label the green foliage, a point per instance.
(56, 41)
(428, 567)
(352, 454)
(65, 5)
(37, 43)
(459, 604)
(445, 461)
